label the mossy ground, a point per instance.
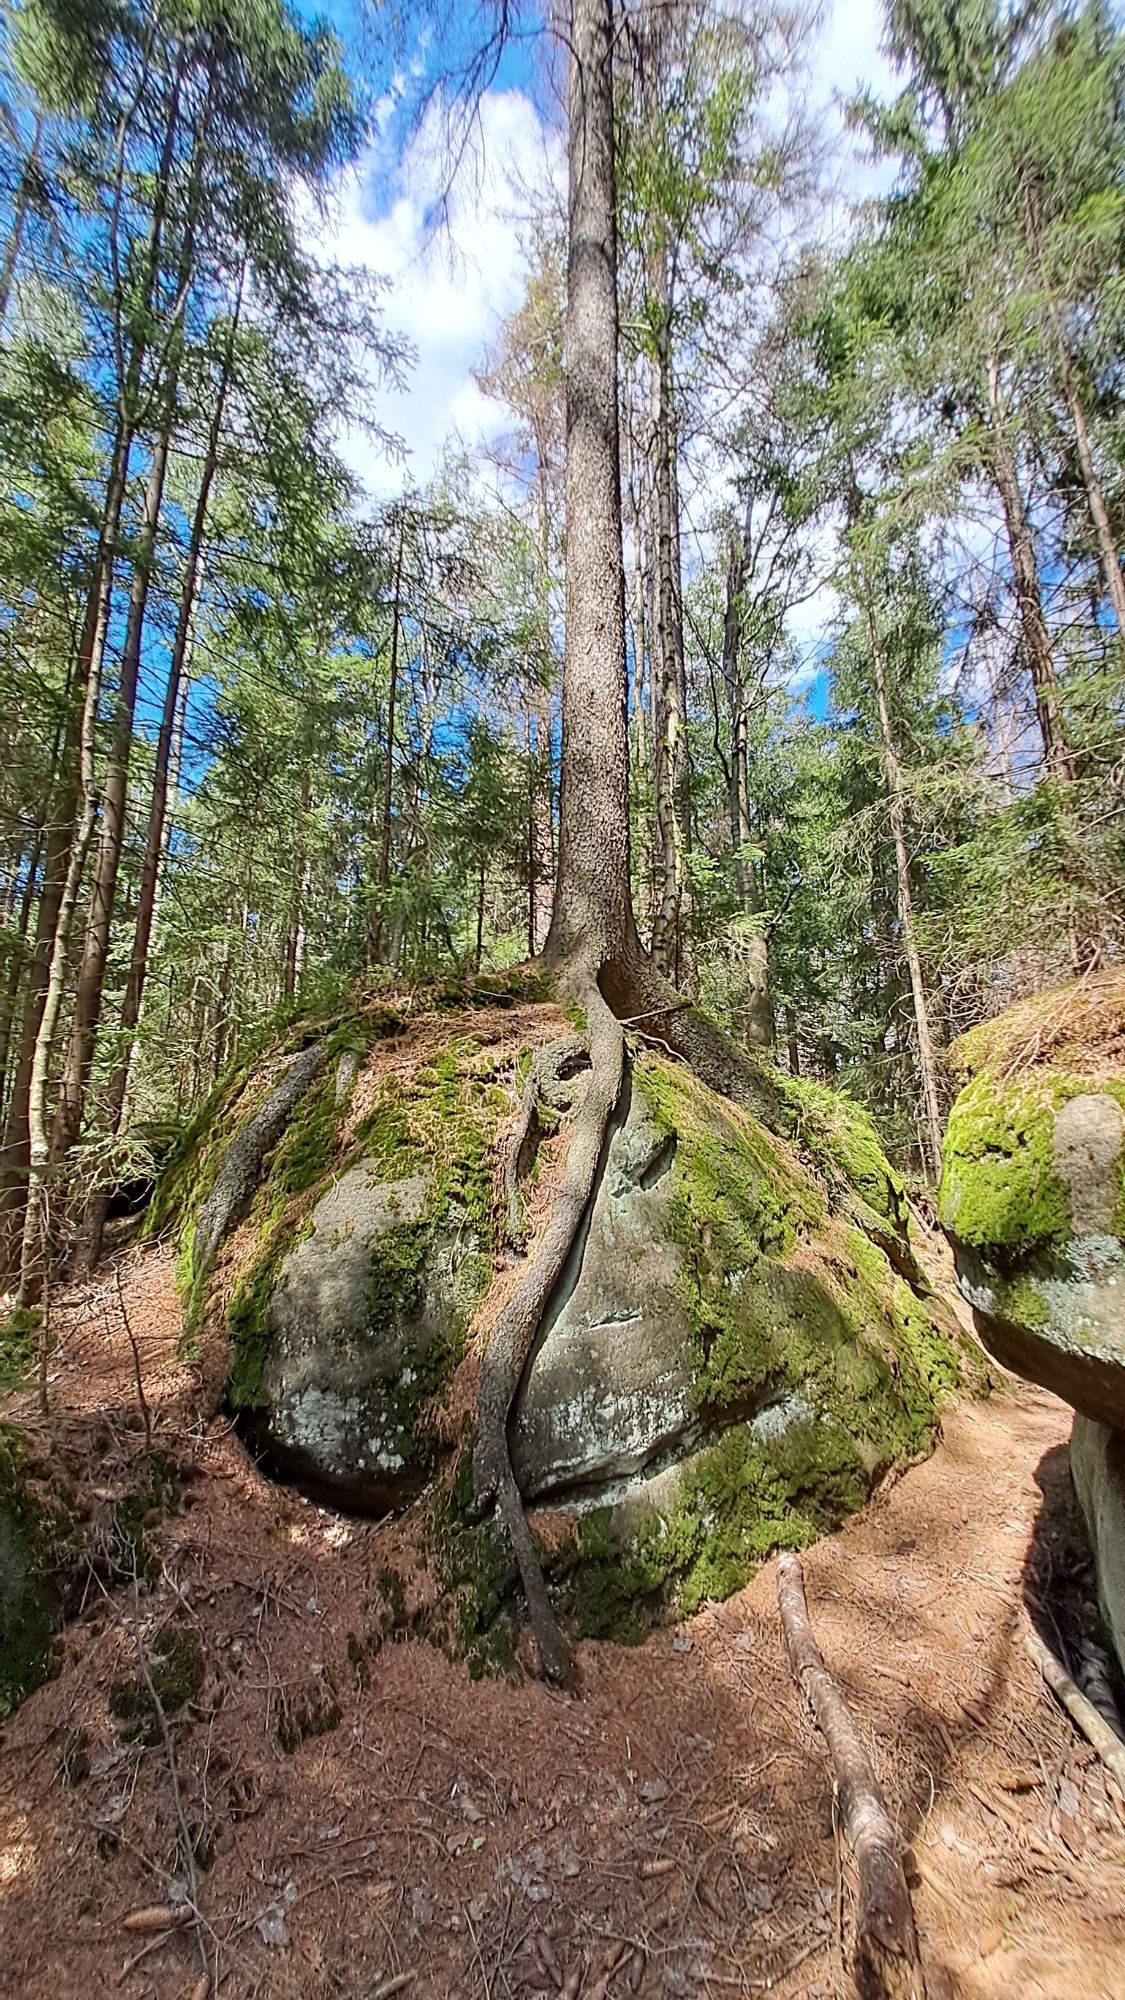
(175, 1666)
(36, 1546)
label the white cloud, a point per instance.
(449, 287)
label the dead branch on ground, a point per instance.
(886, 1963)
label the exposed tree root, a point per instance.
(886, 1964)
(638, 992)
(552, 1072)
(624, 988)
(238, 1177)
(514, 1334)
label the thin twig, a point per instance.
(145, 1413)
(173, 1774)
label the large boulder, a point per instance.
(1033, 1190)
(1033, 1200)
(739, 1348)
(1097, 1463)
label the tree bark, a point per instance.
(95, 955)
(19, 220)
(671, 921)
(170, 721)
(1025, 576)
(33, 1250)
(592, 913)
(886, 1964)
(375, 928)
(757, 1009)
(892, 778)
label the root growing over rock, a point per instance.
(512, 1339)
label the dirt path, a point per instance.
(481, 1837)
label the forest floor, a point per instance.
(448, 1837)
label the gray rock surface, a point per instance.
(350, 1359)
(609, 1387)
(1097, 1463)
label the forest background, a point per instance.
(279, 702)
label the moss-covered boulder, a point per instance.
(740, 1347)
(1033, 1190)
(735, 1365)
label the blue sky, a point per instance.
(449, 294)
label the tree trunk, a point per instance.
(375, 928)
(91, 976)
(887, 1964)
(171, 722)
(33, 1251)
(1025, 576)
(892, 777)
(757, 1009)
(1095, 499)
(670, 939)
(1099, 513)
(592, 915)
(19, 219)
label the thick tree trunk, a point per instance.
(593, 914)
(1025, 576)
(892, 778)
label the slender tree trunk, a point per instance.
(758, 1020)
(56, 869)
(1025, 576)
(670, 944)
(295, 936)
(1099, 513)
(171, 724)
(10, 1004)
(91, 975)
(892, 777)
(592, 916)
(375, 929)
(33, 1252)
(1095, 499)
(19, 219)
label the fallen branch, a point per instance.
(1104, 1740)
(886, 1964)
(197, 1918)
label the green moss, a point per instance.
(820, 1364)
(1000, 1192)
(740, 1194)
(18, 1340)
(175, 1666)
(840, 1139)
(472, 1618)
(131, 1553)
(248, 1317)
(33, 1546)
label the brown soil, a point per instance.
(494, 1839)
